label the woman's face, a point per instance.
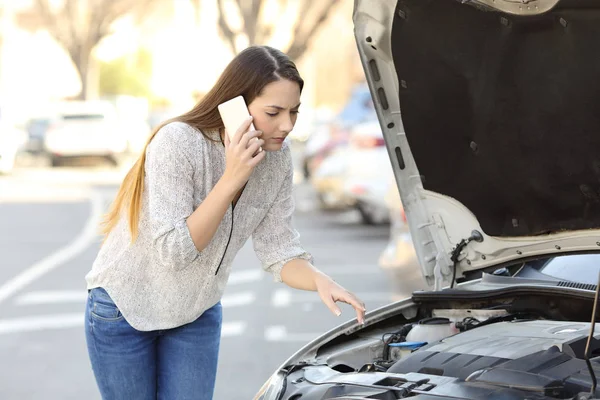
(275, 112)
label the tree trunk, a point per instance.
(83, 94)
(226, 31)
(81, 60)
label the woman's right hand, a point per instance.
(242, 154)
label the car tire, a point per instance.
(306, 169)
(113, 160)
(323, 205)
(368, 215)
(55, 161)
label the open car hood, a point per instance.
(491, 115)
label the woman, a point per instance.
(153, 317)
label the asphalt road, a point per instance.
(48, 241)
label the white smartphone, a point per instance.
(234, 112)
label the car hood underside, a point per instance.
(491, 122)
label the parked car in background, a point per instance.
(399, 259)
(490, 111)
(356, 174)
(309, 121)
(12, 142)
(327, 137)
(85, 129)
(369, 174)
(36, 128)
(324, 139)
(329, 179)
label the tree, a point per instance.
(79, 26)
(310, 15)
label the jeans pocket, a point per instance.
(104, 308)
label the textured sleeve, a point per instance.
(275, 240)
(171, 159)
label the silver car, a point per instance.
(85, 129)
(489, 110)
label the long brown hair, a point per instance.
(246, 75)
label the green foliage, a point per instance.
(128, 75)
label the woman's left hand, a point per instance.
(330, 292)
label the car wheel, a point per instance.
(365, 215)
(55, 161)
(323, 205)
(370, 215)
(113, 160)
(305, 169)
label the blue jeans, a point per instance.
(172, 364)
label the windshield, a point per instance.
(79, 117)
(582, 268)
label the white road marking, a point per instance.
(275, 333)
(279, 333)
(245, 276)
(73, 249)
(52, 297)
(75, 320)
(40, 193)
(78, 296)
(281, 298)
(305, 205)
(238, 299)
(235, 328)
(41, 323)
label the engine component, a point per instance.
(431, 330)
(403, 349)
(512, 340)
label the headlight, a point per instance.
(273, 387)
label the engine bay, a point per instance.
(455, 353)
